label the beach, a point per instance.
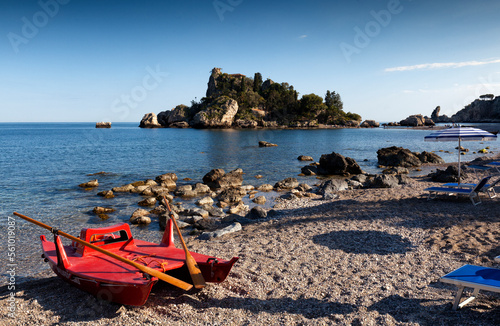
(368, 257)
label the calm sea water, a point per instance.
(43, 163)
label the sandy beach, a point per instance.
(369, 257)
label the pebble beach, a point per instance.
(368, 257)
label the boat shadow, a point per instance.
(62, 299)
(308, 307)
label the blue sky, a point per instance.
(76, 60)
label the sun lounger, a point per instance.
(496, 165)
(487, 188)
(473, 193)
(474, 277)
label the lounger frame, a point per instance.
(469, 281)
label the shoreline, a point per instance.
(359, 258)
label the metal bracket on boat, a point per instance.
(54, 231)
(212, 261)
(146, 276)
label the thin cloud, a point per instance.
(440, 65)
(302, 36)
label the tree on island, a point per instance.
(274, 101)
(487, 97)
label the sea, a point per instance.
(42, 165)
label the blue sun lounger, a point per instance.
(473, 193)
(474, 277)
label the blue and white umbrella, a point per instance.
(460, 134)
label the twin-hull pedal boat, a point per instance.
(107, 278)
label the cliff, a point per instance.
(486, 109)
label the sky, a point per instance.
(110, 60)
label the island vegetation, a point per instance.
(235, 100)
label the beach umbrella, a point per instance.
(460, 134)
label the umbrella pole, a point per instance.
(459, 153)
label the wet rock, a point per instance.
(125, 188)
(106, 194)
(102, 210)
(159, 191)
(140, 216)
(304, 187)
(288, 183)
(89, 184)
(428, 157)
(151, 201)
(218, 179)
(266, 144)
(305, 158)
(231, 195)
(201, 189)
(214, 211)
(247, 188)
(205, 201)
(167, 180)
(265, 187)
(397, 156)
(185, 191)
(260, 200)
(238, 209)
(337, 164)
(309, 170)
(198, 212)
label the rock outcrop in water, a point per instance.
(479, 111)
(238, 101)
(337, 164)
(399, 156)
(149, 121)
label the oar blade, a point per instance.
(195, 272)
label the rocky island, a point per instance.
(484, 109)
(237, 101)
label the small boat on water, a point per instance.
(110, 279)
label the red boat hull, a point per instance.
(109, 279)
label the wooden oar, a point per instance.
(194, 270)
(153, 272)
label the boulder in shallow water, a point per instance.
(106, 194)
(90, 184)
(149, 120)
(288, 183)
(140, 216)
(305, 158)
(337, 164)
(263, 143)
(397, 156)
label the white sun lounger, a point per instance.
(473, 193)
(474, 277)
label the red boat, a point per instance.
(113, 280)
